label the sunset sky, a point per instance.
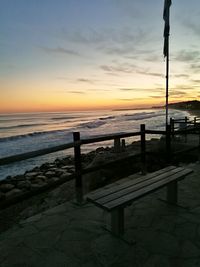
(58, 55)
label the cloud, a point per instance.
(146, 72)
(183, 87)
(157, 96)
(181, 75)
(195, 67)
(125, 68)
(193, 27)
(125, 35)
(188, 56)
(128, 68)
(177, 93)
(60, 50)
(195, 81)
(130, 99)
(141, 89)
(76, 92)
(83, 80)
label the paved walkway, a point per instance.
(72, 236)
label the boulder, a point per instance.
(65, 175)
(6, 187)
(13, 193)
(41, 177)
(50, 174)
(24, 185)
(31, 175)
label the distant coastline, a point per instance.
(124, 109)
(185, 105)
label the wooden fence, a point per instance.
(119, 145)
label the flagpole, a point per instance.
(166, 17)
(167, 81)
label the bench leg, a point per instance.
(172, 192)
(117, 221)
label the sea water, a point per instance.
(20, 133)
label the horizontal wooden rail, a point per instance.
(108, 137)
(155, 132)
(33, 154)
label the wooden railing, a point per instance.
(184, 123)
(119, 144)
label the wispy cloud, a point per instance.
(147, 72)
(194, 27)
(141, 89)
(129, 69)
(181, 75)
(76, 92)
(183, 87)
(124, 68)
(195, 67)
(187, 56)
(195, 81)
(84, 80)
(125, 35)
(130, 99)
(60, 50)
(157, 96)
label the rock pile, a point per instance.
(36, 178)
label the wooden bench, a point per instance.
(115, 197)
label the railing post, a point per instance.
(195, 121)
(78, 168)
(143, 148)
(123, 145)
(186, 119)
(168, 143)
(117, 145)
(172, 126)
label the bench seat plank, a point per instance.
(123, 194)
(105, 191)
(136, 186)
(125, 200)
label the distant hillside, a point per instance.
(186, 105)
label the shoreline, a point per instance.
(58, 178)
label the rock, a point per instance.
(6, 187)
(36, 169)
(37, 185)
(13, 193)
(65, 175)
(59, 171)
(69, 168)
(55, 179)
(24, 185)
(100, 149)
(50, 174)
(19, 177)
(41, 177)
(31, 175)
(44, 166)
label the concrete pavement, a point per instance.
(73, 236)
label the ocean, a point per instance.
(20, 133)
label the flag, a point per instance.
(167, 5)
